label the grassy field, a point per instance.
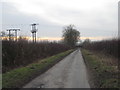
(18, 77)
(104, 74)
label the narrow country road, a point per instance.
(68, 73)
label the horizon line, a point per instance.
(58, 38)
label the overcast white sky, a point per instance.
(93, 18)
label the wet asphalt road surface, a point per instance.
(70, 72)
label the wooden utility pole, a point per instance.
(9, 30)
(33, 31)
(15, 33)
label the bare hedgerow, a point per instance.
(20, 53)
(109, 47)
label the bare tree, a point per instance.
(70, 35)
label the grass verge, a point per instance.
(102, 75)
(19, 77)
